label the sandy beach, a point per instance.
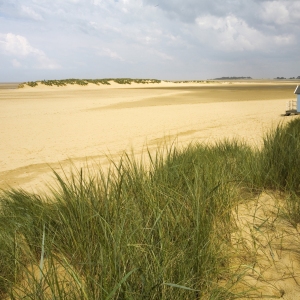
(44, 128)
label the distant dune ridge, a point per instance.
(84, 82)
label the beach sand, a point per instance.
(44, 128)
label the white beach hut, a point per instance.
(297, 92)
(293, 106)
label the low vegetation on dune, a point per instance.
(189, 81)
(234, 78)
(155, 230)
(83, 82)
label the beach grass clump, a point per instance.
(98, 81)
(146, 81)
(154, 229)
(54, 82)
(280, 158)
(32, 83)
(159, 232)
(123, 80)
(130, 80)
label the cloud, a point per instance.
(30, 13)
(234, 34)
(275, 12)
(18, 46)
(16, 63)
(280, 12)
(256, 13)
(46, 63)
(110, 53)
(183, 36)
(189, 10)
(160, 54)
(284, 40)
(230, 33)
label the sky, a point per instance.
(161, 39)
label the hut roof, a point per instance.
(297, 90)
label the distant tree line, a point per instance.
(287, 78)
(232, 78)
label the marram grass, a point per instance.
(160, 230)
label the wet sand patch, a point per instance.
(210, 94)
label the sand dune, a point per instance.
(44, 127)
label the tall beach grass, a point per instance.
(160, 230)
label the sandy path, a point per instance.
(45, 127)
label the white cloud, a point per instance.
(29, 12)
(18, 46)
(231, 33)
(161, 54)
(234, 34)
(110, 53)
(275, 12)
(280, 12)
(16, 63)
(282, 40)
(46, 63)
(93, 24)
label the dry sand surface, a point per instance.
(46, 127)
(267, 250)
